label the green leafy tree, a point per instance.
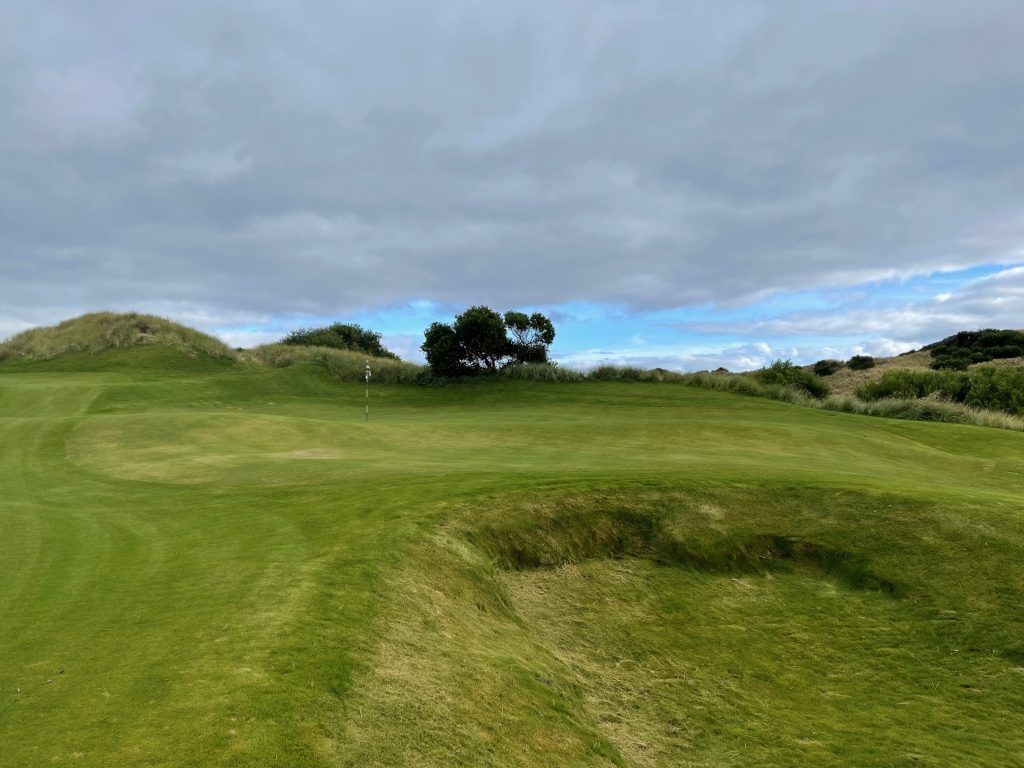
(444, 353)
(530, 336)
(480, 341)
(480, 332)
(340, 336)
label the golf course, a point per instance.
(209, 560)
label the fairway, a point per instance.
(212, 562)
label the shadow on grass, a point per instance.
(547, 542)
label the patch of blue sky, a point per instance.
(594, 328)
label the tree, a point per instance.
(480, 340)
(480, 332)
(340, 336)
(530, 336)
(443, 351)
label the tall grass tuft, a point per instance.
(925, 409)
(343, 365)
(100, 331)
(747, 385)
(541, 372)
(921, 409)
(632, 373)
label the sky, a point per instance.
(678, 184)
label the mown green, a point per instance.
(215, 561)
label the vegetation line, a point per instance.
(769, 385)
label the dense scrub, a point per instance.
(860, 362)
(997, 389)
(962, 349)
(785, 373)
(827, 367)
(351, 338)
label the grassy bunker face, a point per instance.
(665, 629)
(573, 535)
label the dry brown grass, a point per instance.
(847, 381)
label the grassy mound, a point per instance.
(101, 331)
(341, 364)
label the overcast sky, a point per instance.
(678, 183)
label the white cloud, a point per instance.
(995, 300)
(248, 339)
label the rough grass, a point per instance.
(923, 409)
(343, 365)
(673, 628)
(101, 331)
(541, 372)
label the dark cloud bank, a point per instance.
(225, 161)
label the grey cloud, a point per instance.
(249, 160)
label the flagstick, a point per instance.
(368, 374)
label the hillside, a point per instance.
(222, 563)
(847, 381)
(102, 331)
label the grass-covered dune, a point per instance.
(211, 559)
(102, 331)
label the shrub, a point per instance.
(1008, 351)
(911, 384)
(961, 349)
(354, 338)
(951, 363)
(860, 362)
(997, 389)
(827, 367)
(785, 373)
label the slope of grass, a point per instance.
(207, 562)
(342, 364)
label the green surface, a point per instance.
(206, 562)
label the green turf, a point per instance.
(209, 562)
